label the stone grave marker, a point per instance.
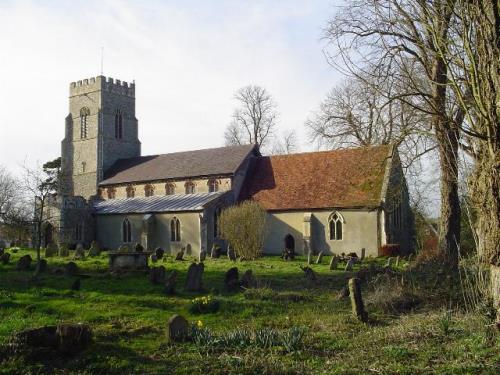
(194, 277)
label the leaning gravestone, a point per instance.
(51, 250)
(159, 252)
(24, 263)
(309, 274)
(215, 253)
(70, 269)
(94, 250)
(157, 275)
(231, 279)
(4, 258)
(358, 308)
(231, 254)
(349, 265)
(170, 283)
(333, 263)
(79, 252)
(320, 257)
(177, 329)
(180, 255)
(248, 280)
(194, 277)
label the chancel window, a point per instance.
(84, 113)
(175, 230)
(126, 231)
(190, 189)
(118, 124)
(130, 191)
(169, 189)
(111, 193)
(213, 186)
(149, 190)
(335, 226)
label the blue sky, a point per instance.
(187, 58)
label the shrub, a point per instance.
(243, 226)
(204, 305)
(389, 250)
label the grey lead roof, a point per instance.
(165, 203)
(178, 165)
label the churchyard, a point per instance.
(276, 320)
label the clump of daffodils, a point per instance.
(204, 305)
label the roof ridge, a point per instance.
(188, 151)
(329, 151)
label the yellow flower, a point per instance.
(199, 324)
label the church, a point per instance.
(337, 201)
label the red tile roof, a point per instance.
(329, 179)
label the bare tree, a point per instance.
(8, 192)
(254, 119)
(379, 35)
(286, 144)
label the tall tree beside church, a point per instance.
(254, 120)
(378, 35)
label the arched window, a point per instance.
(175, 230)
(126, 231)
(213, 185)
(111, 193)
(216, 222)
(190, 189)
(149, 190)
(335, 225)
(118, 124)
(130, 191)
(169, 188)
(84, 113)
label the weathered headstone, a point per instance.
(231, 254)
(216, 251)
(76, 285)
(79, 252)
(180, 255)
(319, 258)
(334, 262)
(159, 252)
(170, 283)
(70, 269)
(63, 250)
(5, 257)
(94, 250)
(358, 308)
(203, 255)
(309, 274)
(138, 247)
(363, 253)
(177, 329)
(388, 264)
(231, 279)
(194, 277)
(51, 250)
(248, 280)
(349, 265)
(157, 275)
(24, 263)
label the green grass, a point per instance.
(128, 316)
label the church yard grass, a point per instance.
(129, 315)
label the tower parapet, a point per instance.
(102, 83)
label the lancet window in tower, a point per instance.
(84, 113)
(118, 124)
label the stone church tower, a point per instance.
(100, 129)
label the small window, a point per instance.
(335, 226)
(130, 191)
(111, 193)
(190, 189)
(149, 190)
(126, 231)
(84, 113)
(213, 186)
(175, 230)
(118, 124)
(169, 189)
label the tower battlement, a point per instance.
(102, 83)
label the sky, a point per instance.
(187, 59)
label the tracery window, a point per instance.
(126, 231)
(335, 225)
(175, 230)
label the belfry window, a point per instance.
(213, 185)
(130, 191)
(335, 224)
(169, 188)
(126, 231)
(149, 190)
(118, 124)
(84, 113)
(190, 189)
(175, 230)
(111, 193)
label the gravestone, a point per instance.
(180, 255)
(94, 250)
(349, 265)
(5, 257)
(70, 269)
(170, 283)
(79, 252)
(388, 264)
(343, 293)
(363, 253)
(231, 279)
(24, 263)
(63, 250)
(159, 252)
(216, 251)
(358, 308)
(177, 329)
(203, 255)
(333, 263)
(51, 250)
(248, 280)
(73, 338)
(194, 277)
(231, 254)
(288, 254)
(309, 274)
(319, 258)
(157, 275)
(138, 247)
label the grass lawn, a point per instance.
(128, 316)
